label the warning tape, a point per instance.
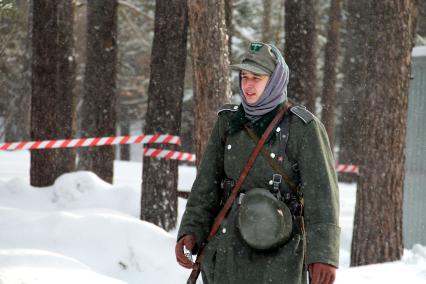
(168, 154)
(182, 156)
(347, 168)
(90, 142)
(120, 140)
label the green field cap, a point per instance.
(259, 59)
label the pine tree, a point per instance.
(353, 89)
(210, 65)
(330, 70)
(300, 50)
(160, 177)
(377, 234)
(52, 103)
(99, 98)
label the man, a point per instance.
(298, 152)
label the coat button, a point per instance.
(278, 129)
(229, 147)
(272, 155)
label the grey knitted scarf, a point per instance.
(275, 91)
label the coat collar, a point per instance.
(239, 120)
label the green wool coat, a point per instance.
(228, 259)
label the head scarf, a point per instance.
(275, 91)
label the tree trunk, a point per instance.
(330, 70)
(99, 97)
(300, 51)
(377, 235)
(165, 94)
(210, 64)
(52, 102)
(125, 131)
(353, 90)
(266, 22)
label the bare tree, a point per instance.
(52, 103)
(99, 98)
(330, 69)
(210, 65)
(300, 50)
(377, 235)
(165, 93)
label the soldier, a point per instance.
(285, 219)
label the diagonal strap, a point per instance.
(225, 209)
(274, 164)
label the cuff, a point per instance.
(322, 244)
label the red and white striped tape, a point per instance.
(141, 139)
(182, 156)
(347, 169)
(168, 154)
(90, 142)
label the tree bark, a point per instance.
(330, 70)
(377, 235)
(52, 102)
(125, 148)
(99, 97)
(353, 90)
(210, 65)
(300, 51)
(165, 94)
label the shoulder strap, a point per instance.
(224, 211)
(302, 113)
(227, 107)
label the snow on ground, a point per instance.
(419, 51)
(83, 230)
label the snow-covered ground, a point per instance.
(83, 230)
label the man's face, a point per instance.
(253, 85)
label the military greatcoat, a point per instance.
(307, 160)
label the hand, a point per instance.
(322, 273)
(189, 242)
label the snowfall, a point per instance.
(84, 230)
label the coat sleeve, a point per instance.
(320, 188)
(204, 200)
